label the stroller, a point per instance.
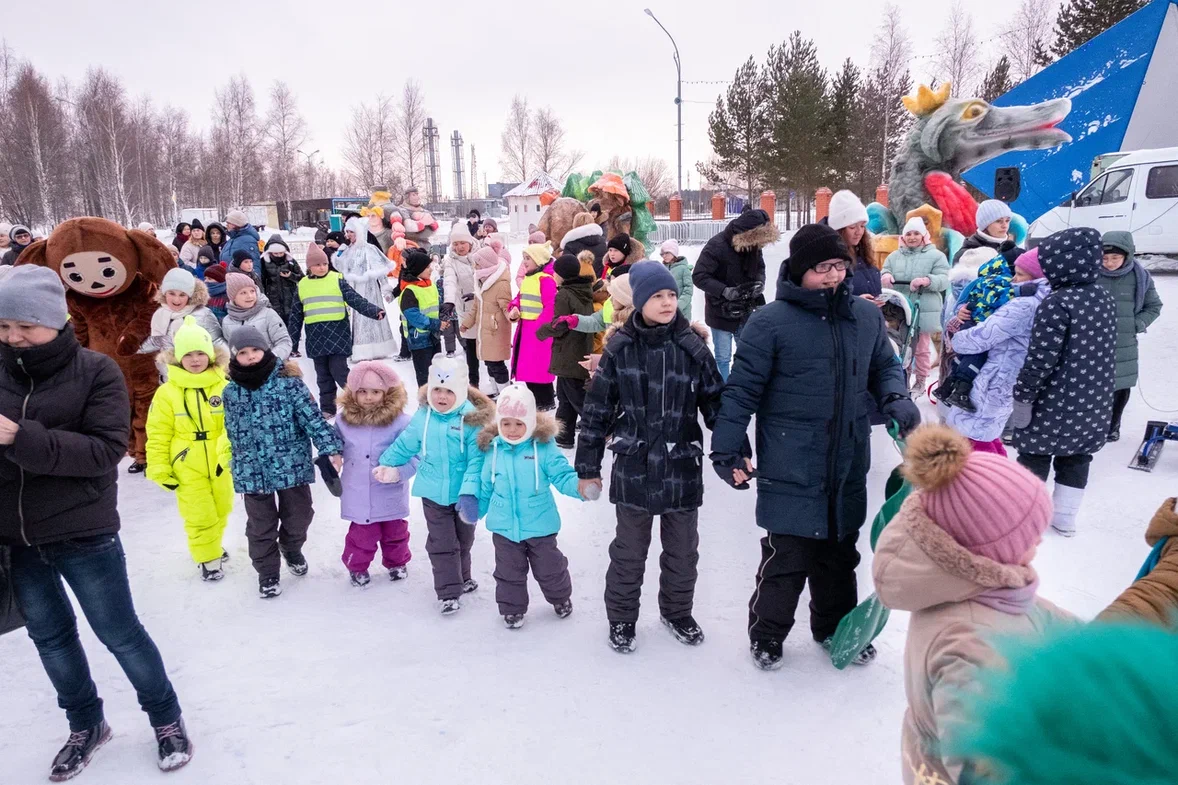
(903, 322)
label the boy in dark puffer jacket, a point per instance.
(655, 378)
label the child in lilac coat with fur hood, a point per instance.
(371, 417)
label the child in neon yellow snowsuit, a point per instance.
(187, 451)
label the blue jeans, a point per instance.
(724, 342)
(96, 570)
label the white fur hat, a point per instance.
(845, 210)
(516, 402)
(450, 373)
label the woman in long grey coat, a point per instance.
(1138, 305)
(1064, 395)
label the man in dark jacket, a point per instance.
(804, 367)
(1063, 398)
(574, 297)
(731, 271)
(63, 428)
(655, 379)
(280, 279)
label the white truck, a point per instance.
(1136, 193)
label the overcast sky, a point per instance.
(604, 67)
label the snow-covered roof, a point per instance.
(534, 186)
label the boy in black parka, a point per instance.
(573, 297)
(655, 379)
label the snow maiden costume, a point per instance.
(366, 269)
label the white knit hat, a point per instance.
(178, 280)
(516, 402)
(990, 211)
(237, 218)
(669, 246)
(916, 224)
(449, 373)
(145, 226)
(461, 234)
(845, 210)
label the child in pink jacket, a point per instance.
(958, 557)
(532, 308)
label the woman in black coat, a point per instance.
(731, 271)
(806, 362)
(64, 417)
(1063, 398)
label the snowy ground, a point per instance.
(333, 684)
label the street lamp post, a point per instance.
(678, 95)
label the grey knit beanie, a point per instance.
(247, 337)
(34, 295)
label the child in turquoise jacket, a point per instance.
(513, 490)
(444, 433)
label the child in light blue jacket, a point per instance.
(513, 490)
(443, 433)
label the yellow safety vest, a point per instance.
(530, 303)
(607, 312)
(323, 299)
(427, 303)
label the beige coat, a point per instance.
(919, 568)
(492, 299)
(1154, 598)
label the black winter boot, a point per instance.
(960, 397)
(685, 630)
(296, 562)
(766, 654)
(77, 752)
(621, 637)
(175, 749)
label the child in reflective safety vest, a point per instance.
(418, 300)
(320, 305)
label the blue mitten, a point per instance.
(468, 509)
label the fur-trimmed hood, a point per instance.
(393, 406)
(545, 431)
(637, 252)
(199, 298)
(698, 328)
(918, 565)
(765, 234)
(291, 370)
(220, 357)
(482, 413)
(582, 232)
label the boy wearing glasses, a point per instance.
(806, 361)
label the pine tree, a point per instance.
(998, 81)
(739, 131)
(841, 126)
(797, 110)
(1082, 20)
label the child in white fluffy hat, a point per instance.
(513, 489)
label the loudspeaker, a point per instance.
(1007, 183)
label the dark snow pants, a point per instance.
(331, 371)
(679, 532)
(277, 522)
(1070, 470)
(571, 396)
(448, 542)
(1120, 401)
(549, 567)
(787, 562)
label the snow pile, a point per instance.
(333, 684)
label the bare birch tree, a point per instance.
(548, 146)
(238, 131)
(891, 56)
(958, 57)
(34, 148)
(370, 144)
(286, 130)
(515, 143)
(410, 117)
(1027, 32)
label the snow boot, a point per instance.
(211, 570)
(398, 573)
(766, 654)
(563, 609)
(136, 468)
(77, 752)
(1066, 501)
(513, 620)
(224, 555)
(862, 658)
(1114, 434)
(269, 587)
(621, 637)
(296, 562)
(450, 607)
(943, 390)
(960, 397)
(919, 386)
(566, 435)
(685, 630)
(360, 578)
(469, 585)
(175, 749)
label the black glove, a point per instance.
(731, 293)
(467, 297)
(901, 409)
(751, 290)
(725, 464)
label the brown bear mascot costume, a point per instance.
(111, 277)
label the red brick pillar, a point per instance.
(769, 204)
(881, 195)
(676, 207)
(822, 203)
(719, 201)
